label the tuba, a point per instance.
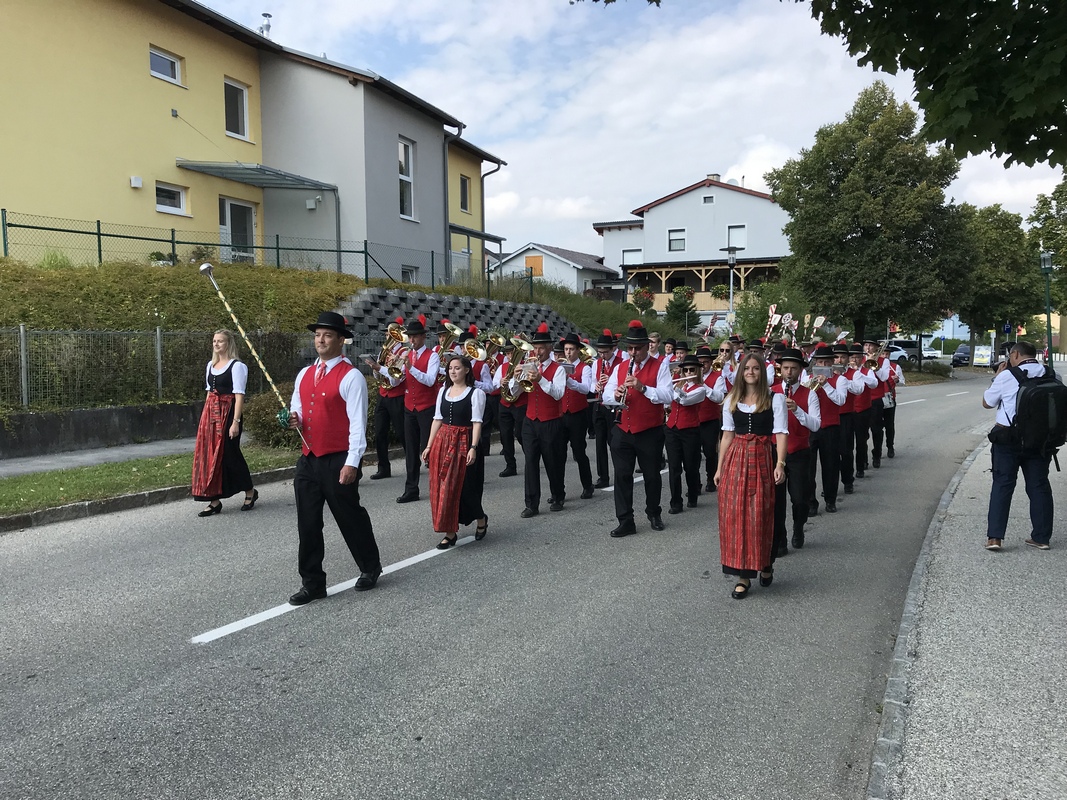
(513, 366)
(394, 335)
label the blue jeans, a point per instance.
(1007, 460)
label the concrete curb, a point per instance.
(92, 508)
(886, 755)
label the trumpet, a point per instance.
(718, 363)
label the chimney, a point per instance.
(714, 176)
(264, 29)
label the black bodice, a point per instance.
(457, 412)
(760, 423)
(223, 383)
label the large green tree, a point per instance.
(1049, 232)
(870, 234)
(1005, 284)
(989, 74)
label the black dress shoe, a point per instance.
(528, 512)
(766, 577)
(711, 487)
(555, 505)
(740, 591)
(603, 483)
(674, 510)
(889, 453)
(849, 489)
(656, 523)
(250, 502)
(377, 476)
(783, 550)
(861, 474)
(305, 596)
(831, 508)
(408, 497)
(587, 494)
(691, 504)
(509, 472)
(211, 509)
(813, 510)
(625, 529)
(877, 463)
(798, 540)
(366, 580)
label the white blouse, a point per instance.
(477, 402)
(239, 375)
(778, 408)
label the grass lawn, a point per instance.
(39, 490)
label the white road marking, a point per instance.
(277, 611)
(920, 400)
(638, 479)
(956, 394)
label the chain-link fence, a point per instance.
(51, 370)
(60, 242)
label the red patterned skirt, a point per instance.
(448, 468)
(219, 466)
(746, 505)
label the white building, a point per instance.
(568, 268)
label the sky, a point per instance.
(601, 109)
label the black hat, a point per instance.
(856, 349)
(823, 351)
(416, 326)
(572, 338)
(508, 345)
(636, 334)
(870, 341)
(840, 348)
(792, 354)
(704, 352)
(778, 348)
(441, 326)
(333, 321)
(689, 361)
(671, 342)
(558, 346)
(734, 338)
(606, 339)
(541, 335)
(466, 336)
(756, 344)
(681, 344)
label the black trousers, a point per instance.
(490, 418)
(862, 428)
(848, 446)
(575, 429)
(541, 442)
(710, 433)
(889, 423)
(796, 484)
(511, 420)
(877, 411)
(683, 455)
(416, 434)
(603, 422)
(630, 449)
(389, 413)
(825, 451)
(316, 483)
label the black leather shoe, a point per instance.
(656, 523)
(587, 494)
(861, 474)
(556, 505)
(849, 489)
(528, 512)
(250, 502)
(798, 540)
(740, 591)
(691, 504)
(766, 577)
(509, 472)
(211, 509)
(377, 476)
(603, 483)
(813, 510)
(877, 463)
(674, 510)
(782, 551)
(305, 596)
(367, 580)
(408, 497)
(624, 529)
(831, 508)
(890, 453)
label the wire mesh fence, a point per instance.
(59, 242)
(53, 370)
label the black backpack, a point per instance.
(1040, 421)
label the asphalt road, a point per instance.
(547, 661)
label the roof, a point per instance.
(600, 227)
(254, 175)
(575, 258)
(220, 23)
(463, 144)
(707, 183)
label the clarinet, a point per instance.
(625, 395)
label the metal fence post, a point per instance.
(159, 362)
(173, 247)
(3, 224)
(366, 262)
(431, 270)
(99, 245)
(277, 249)
(24, 366)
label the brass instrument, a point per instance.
(513, 365)
(872, 363)
(777, 371)
(718, 363)
(493, 343)
(474, 351)
(389, 359)
(454, 332)
(587, 353)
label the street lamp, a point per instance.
(731, 261)
(1046, 269)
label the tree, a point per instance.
(989, 74)
(751, 314)
(680, 311)
(1049, 232)
(870, 234)
(1006, 284)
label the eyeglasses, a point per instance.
(725, 350)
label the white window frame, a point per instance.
(177, 61)
(244, 87)
(640, 256)
(408, 274)
(709, 200)
(682, 237)
(729, 238)
(183, 195)
(464, 194)
(408, 177)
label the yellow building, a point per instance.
(101, 99)
(466, 204)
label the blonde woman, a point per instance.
(755, 425)
(219, 467)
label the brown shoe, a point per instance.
(993, 544)
(1038, 545)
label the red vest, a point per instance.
(710, 410)
(573, 400)
(878, 392)
(323, 413)
(850, 399)
(828, 409)
(642, 414)
(492, 364)
(798, 434)
(683, 417)
(862, 400)
(541, 406)
(419, 396)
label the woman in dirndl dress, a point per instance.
(455, 455)
(755, 425)
(219, 467)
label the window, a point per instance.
(676, 239)
(407, 274)
(170, 199)
(736, 236)
(236, 108)
(164, 65)
(631, 256)
(709, 199)
(536, 265)
(407, 178)
(464, 193)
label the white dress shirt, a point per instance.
(353, 390)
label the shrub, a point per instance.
(261, 420)
(938, 368)
(720, 291)
(643, 298)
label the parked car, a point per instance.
(896, 354)
(929, 353)
(962, 356)
(909, 346)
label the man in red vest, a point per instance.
(639, 388)
(881, 372)
(804, 418)
(832, 390)
(847, 418)
(419, 400)
(683, 434)
(389, 412)
(711, 409)
(608, 358)
(512, 415)
(575, 408)
(543, 428)
(329, 408)
(864, 382)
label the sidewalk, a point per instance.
(976, 703)
(101, 455)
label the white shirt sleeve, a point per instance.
(477, 405)
(812, 418)
(240, 377)
(882, 373)
(557, 386)
(686, 397)
(353, 391)
(836, 390)
(781, 414)
(663, 391)
(437, 403)
(484, 381)
(294, 403)
(583, 384)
